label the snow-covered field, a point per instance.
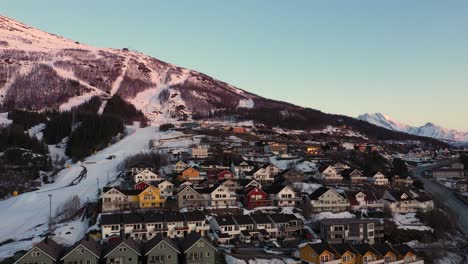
(409, 222)
(26, 216)
(4, 121)
(330, 215)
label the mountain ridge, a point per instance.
(428, 130)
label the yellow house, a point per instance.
(346, 253)
(150, 198)
(387, 252)
(366, 253)
(405, 253)
(317, 253)
(189, 174)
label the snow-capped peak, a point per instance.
(427, 130)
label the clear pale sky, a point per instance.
(405, 58)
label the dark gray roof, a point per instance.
(403, 249)
(189, 240)
(319, 192)
(87, 243)
(194, 216)
(153, 217)
(283, 218)
(110, 219)
(50, 247)
(319, 248)
(363, 248)
(158, 239)
(384, 248)
(261, 219)
(173, 217)
(343, 247)
(131, 218)
(243, 219)
(225, 220)
(114, 244)
(126, 192)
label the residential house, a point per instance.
(114, 199)
(161, 249)
(225, 175)
(367, 254)
(232, 185)
(355, 176)
(265, 174)
(147, 176)
(151, 198)
(319, 253)
(327, 200)
(197, 250)
(45, 252)
(328, 174)
(289, 226)
(455, 170)
(125, 251)
(137, 168)
(379, 179)
(199, 152)
(291, 176)
(340, 167)
(189, 197)
(406, 182)
(224, 228)
(282, 195)
(219, 196)
(176, 224)
(364, 200)
(255, 197)
(351, 230)
(180, 166)
(276, 148)
(166, 189)
(141, 185)
(196, 222)
(314, 150)
(241, 167)
(246, 226)
(190, 174)
(403, 202)
(346, 253)
(407, 254)
(265, 227)
(84, 251)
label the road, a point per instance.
(444, 196)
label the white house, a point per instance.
(147, 176)
(199, 152)
(166, 188)
(282, 195)
(379, 179)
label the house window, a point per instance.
(88, 261)
(169, 257)
(207, 254)
(80, 251)
(130, 259)
(35, 253)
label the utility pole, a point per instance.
(50, 211)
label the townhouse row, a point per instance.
(345, 253)
(190, 250)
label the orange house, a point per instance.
(367, 253)
(318, 253)
(189, 174)
(346, 253)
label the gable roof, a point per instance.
(274, 189)
(319, 248)
(384, 248)
(321, 191)
(362, 249)
(89, 244)
(189, 241)
(283, 218)
(243, 219)
(158, 239)
(194, 216)
(343, 248)
(403, 249)
(224, 220)
(130, 243)
(261, 219)
(49, 247)
(124, 192)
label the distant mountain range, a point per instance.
(427, 130)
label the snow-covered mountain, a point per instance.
(39, 70)
(427, 130)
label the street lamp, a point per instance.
(50, 210)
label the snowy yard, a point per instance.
(330, 215)
(26, 216)
(409, 222)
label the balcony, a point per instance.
(336, 261)
(183, 228)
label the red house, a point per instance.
(225, 175)
(255, 197)
(141, 185)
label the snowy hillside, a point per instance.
(427, 130)
(41, 70)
